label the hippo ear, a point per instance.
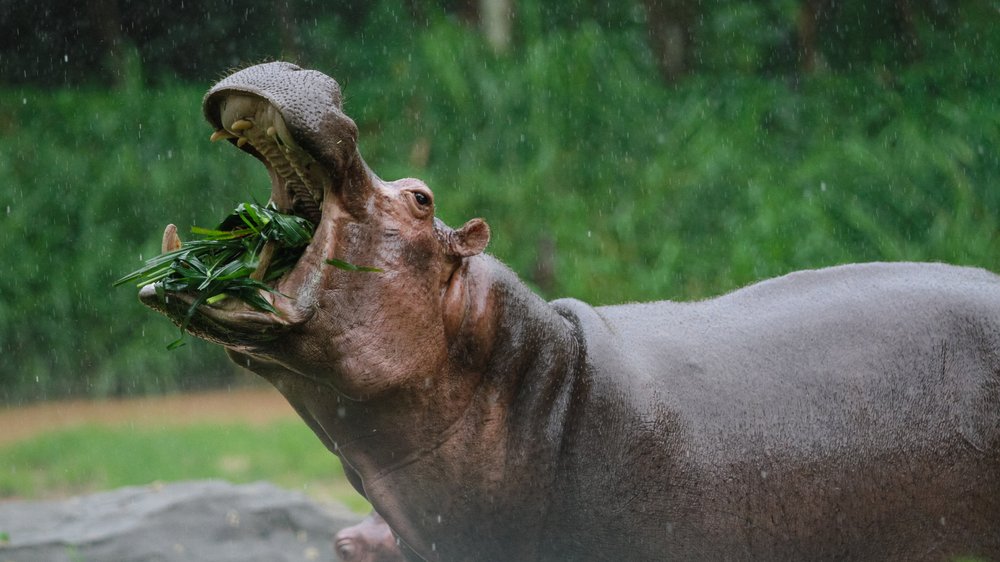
(469, 240)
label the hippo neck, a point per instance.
(509, 429)
(533, 360)
(513, 359)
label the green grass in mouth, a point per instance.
(221, 262)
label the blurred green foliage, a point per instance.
(585, 164)
(89, 180)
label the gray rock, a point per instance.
(188, 521)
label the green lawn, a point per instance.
(91, 458)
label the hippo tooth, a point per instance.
(171, 241)
(261, 124)
(221, 134)
(240, 125)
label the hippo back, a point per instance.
(852, 412)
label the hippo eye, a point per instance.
(422, 198)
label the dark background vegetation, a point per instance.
(620, 150)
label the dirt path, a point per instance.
(253, 406)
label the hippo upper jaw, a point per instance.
(291, 120)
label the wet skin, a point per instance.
(845, 413)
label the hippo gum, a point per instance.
(844, 413)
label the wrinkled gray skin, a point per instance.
(371, 540)
(846, 413)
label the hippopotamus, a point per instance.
(847, 413)
(371, 540)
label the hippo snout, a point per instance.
(368, 541)
(292, 120)
(347, 548)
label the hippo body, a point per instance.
(840, 414)
(850, 413)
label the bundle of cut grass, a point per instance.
(252, 246)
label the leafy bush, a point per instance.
(90, 180)
(571, 148)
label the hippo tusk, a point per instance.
(241, 125)
(171, 241)
(264, 261)
(221, 134)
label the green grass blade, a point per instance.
(341, 264)
(219, 263)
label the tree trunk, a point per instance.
(669, 27)
(108, 23)
(287, 30)
(811, 13)
(496, 17)
(905, 29)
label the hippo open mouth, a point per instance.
(256, 125)
(291, 120)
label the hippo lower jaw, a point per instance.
(229, 324)
(298, 186)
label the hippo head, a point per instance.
(291, 119)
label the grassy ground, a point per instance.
(92, 458)
(122, 448)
